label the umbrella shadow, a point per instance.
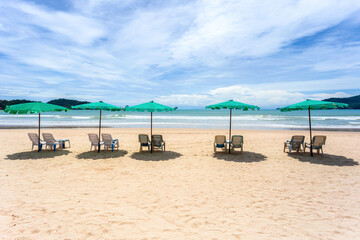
(326, 159)
(155, 156)
(94, 155)
(245, 156)
(34, 155)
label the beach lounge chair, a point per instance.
(317, 143)
(110, 142)
(295, 143)
(220, 142)
(157, 142)
(144, 141)
(35, 141)
(94, 140)
(237, 141)
(50, 141)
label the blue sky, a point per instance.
(180, 53)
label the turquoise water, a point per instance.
(217, 119)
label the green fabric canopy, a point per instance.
(150, 107)
(34, 107)
(231, 104)
(312, 105)
(98, 106)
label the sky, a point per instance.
(179, 52)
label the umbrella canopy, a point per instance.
(150, 107)
(312, 105)
(34, 107)
(98, 106)
(231, 104)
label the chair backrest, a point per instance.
(297, 141)
(49, 138)
(220, 139)
(34, 138)
(107, 138)
(143, 138)
(94, 138)
(237, 140)
(318, 141)
(157, 140)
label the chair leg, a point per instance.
(284, 146)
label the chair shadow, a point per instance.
(155, 156)
(33, 155)
(326, 159)
(245, 156)
(104, 154)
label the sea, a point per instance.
(341, 120)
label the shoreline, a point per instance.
(194, 128)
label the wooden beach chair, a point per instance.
(109, 142)
(317, 143)
(35, 141)
(94, 140)
(50, 141)
(157, 142)
(220, 142)
(295, 143)
(237, 141)
(144, 141)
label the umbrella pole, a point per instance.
(230, 131)
(151, 133)
(39, 135)
(311, 149)
(99, 131)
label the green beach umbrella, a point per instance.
(312, 105)
(231, 104)
(34, 107)
(97, 106)
(150, 107)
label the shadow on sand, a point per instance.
(240, 157)
(33, 155)
(155, 156)
(94, 155)
(326, 159)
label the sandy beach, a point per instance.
(187, 192)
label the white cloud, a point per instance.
(256, 28)
(264, 95)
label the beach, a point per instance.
(187, 192)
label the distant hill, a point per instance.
(61, 102)
(66, 102)
(354, 102)
(4, 103)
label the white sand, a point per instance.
(184, 193)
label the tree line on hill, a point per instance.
(61, 102)
(354, 102)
